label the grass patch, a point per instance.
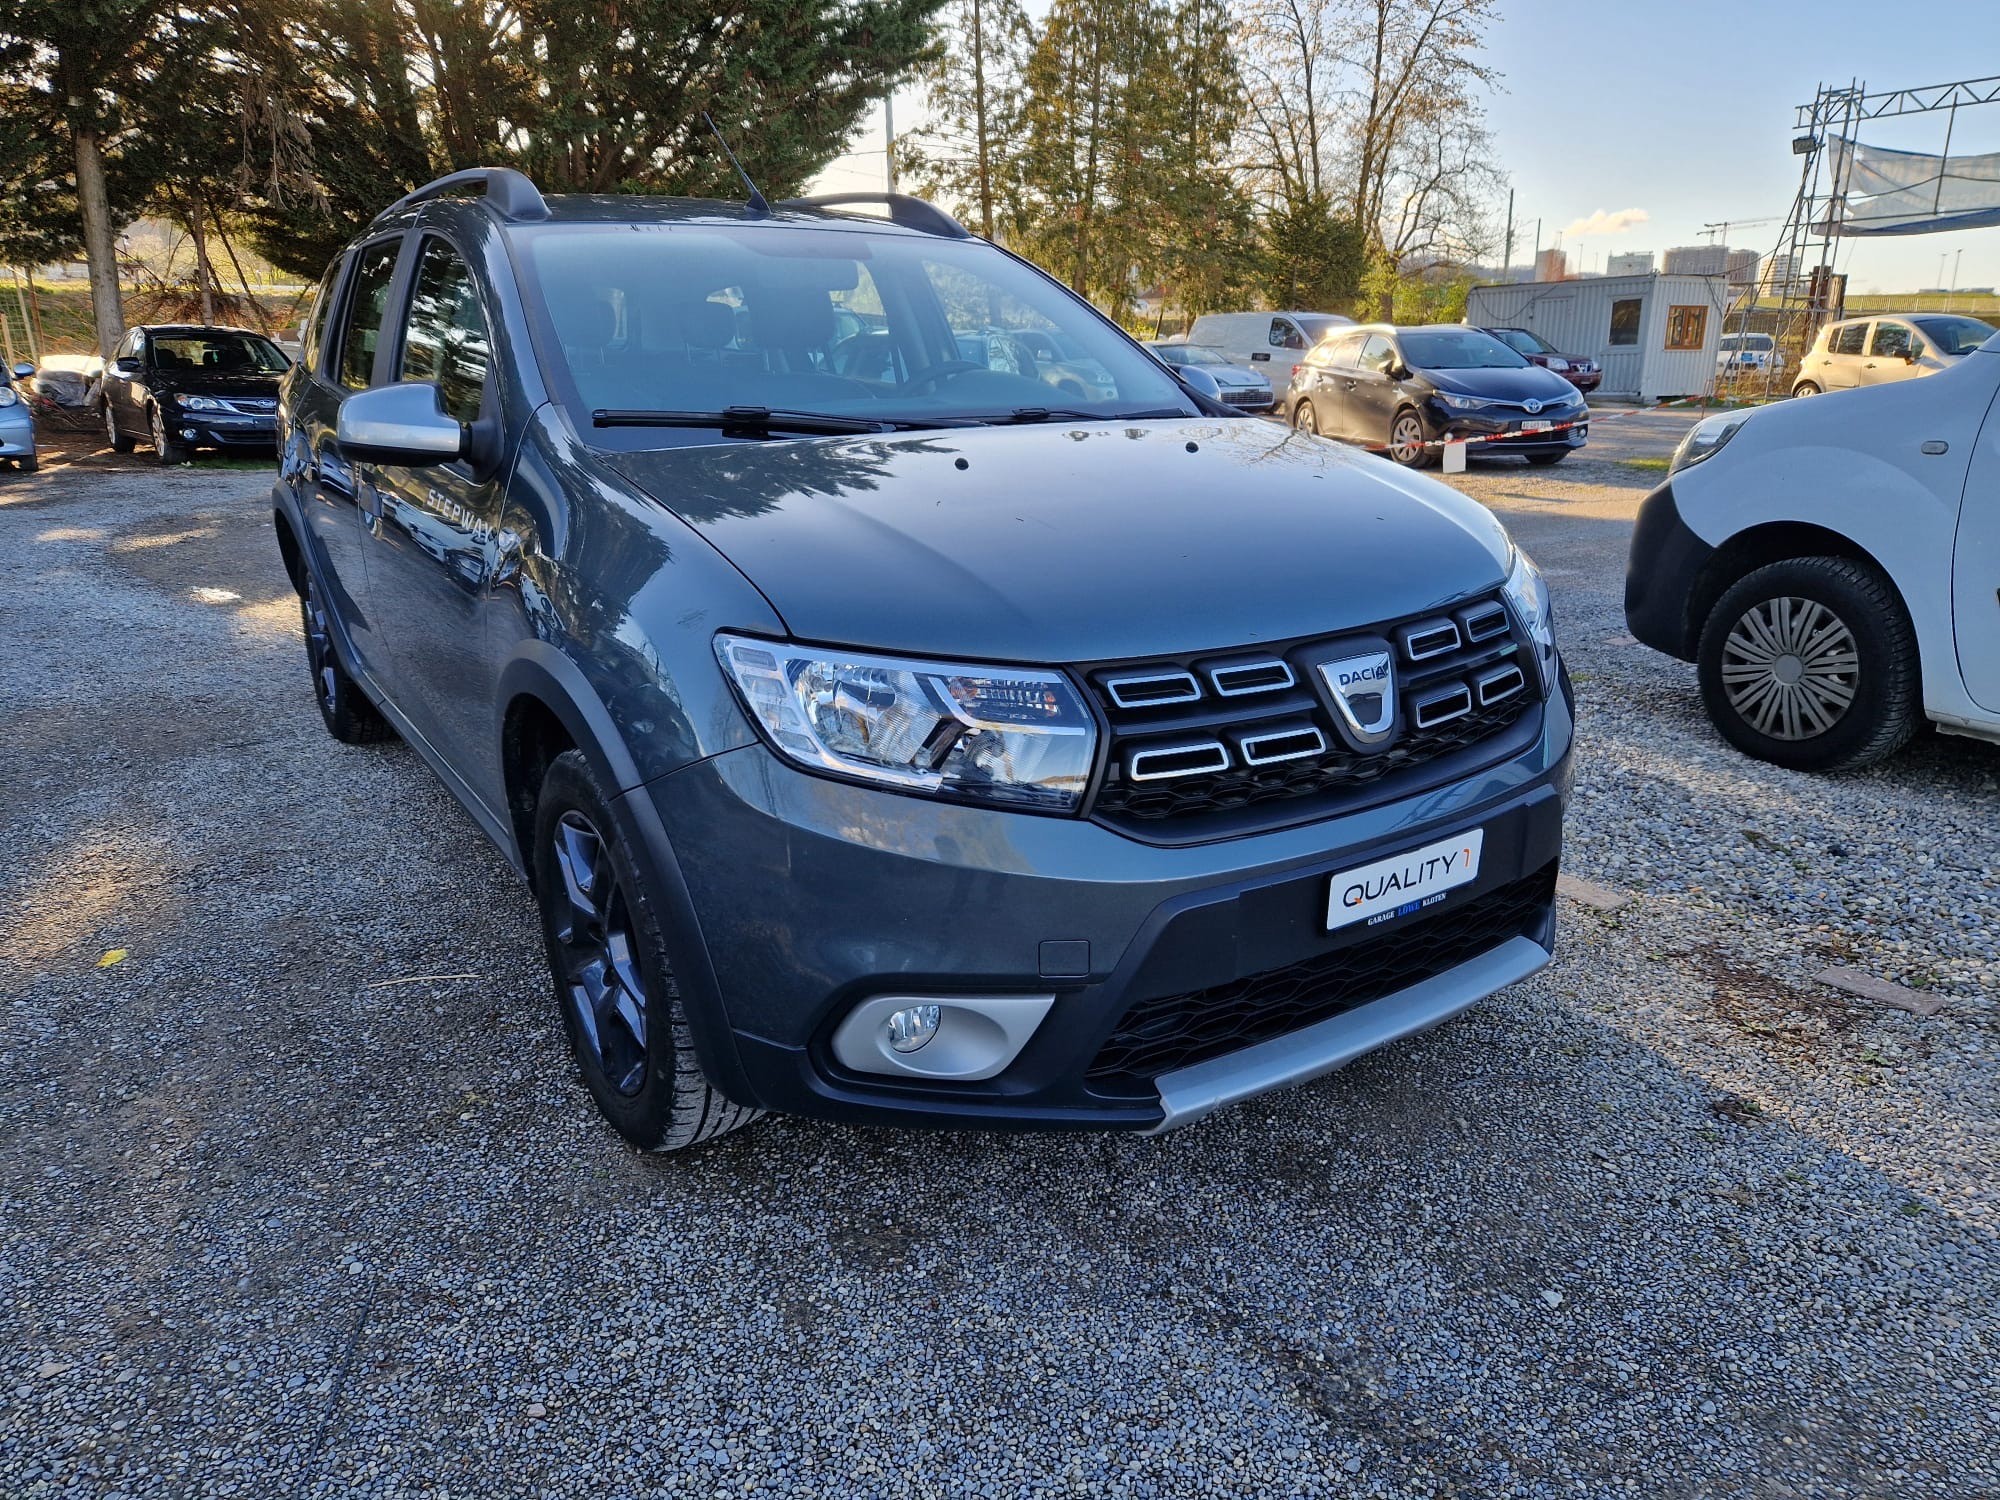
(1650, 465)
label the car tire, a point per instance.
(349, 716)
(165, 450)
(119, 442)
(1805, 388)
(1543, 460)
(1305, 418)
(1858, 671)
(613, 975)
(1407, 444)
(28, 463)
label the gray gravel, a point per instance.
(277, 1219)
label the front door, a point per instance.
(1892, 351)
(1975, 582)
(434, 539)
(1839, 365)
(1372, 397)
(123, 386)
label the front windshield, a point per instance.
(1457, 349)
(1523, 342)
(1315, 326)
(1955, 336)
(1194, 354)
(837, 322)
(218, 353)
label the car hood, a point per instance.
(1530, 384)
(1234, 377)
(1076, 542)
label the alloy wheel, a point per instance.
(1790, 668)
(1406, 438)
(1306, 419)
(110, 424)
(161, 443)
(599, 952)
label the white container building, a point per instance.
(1655, 336)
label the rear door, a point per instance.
(1892, 350)
(1323, 379)
(1975, 585)
(434, 540)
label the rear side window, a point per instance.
(367, 302)
(445, 339)
(322, 310)
(1848, 340)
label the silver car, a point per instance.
(1241, 387)
(17, 424)
(1881, 350)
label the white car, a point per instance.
(1271, 343)
(1881, 351)
(1833, 567)
(1748, 353)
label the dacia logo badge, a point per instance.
(1364, 694)
(1531, 406)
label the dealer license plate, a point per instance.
(1405, 883)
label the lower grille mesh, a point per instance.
(1175, 1031)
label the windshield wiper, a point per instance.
(752, 419)
(1064, 414)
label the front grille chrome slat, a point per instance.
(1218, 743)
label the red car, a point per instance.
(1585, 374)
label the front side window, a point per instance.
(1848, 339)
(1893, 341)
(883, 327)
(1625, 322)
(1284, 336)
(445, 338)
(367, 304)
(1377, 354)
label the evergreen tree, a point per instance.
(968, 153)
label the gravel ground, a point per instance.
(301, 1197)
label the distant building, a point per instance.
(1551, 265)
(1631, 263)
(1778, 276)
(1697, 260)
(1743, 267)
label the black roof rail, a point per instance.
(510, 192)
(911, 213)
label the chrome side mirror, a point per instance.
(402, 424)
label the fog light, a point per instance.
(188, 433)
(910, 1029)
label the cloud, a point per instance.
(1604, 223)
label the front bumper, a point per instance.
(1258, 402)
(208, 429)
(1664, 602)
(807, 897)
(17, 433)
(1584, 380)
(1506, 434)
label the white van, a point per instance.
(1268, 342)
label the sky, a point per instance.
(1628, 126)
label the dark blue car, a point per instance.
(879, 743)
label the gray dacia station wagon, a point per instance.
(885, 733)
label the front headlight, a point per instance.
(1528, 592)
(1457, 402)
(1558, 365)
(8, 398)
(1013, 737)
(198, 403)
(1705, 439)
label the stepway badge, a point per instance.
(1404, 883)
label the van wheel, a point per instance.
(1406, 440)
(1812, 664)
(1805, 388)
(614, 979)
(1305, 419)
(350, 717)
(29, 463)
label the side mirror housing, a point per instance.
(404, 424)
(126, 364)
(23, 370)
(1199, 381)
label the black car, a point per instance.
(182, 386)
(1406, 392)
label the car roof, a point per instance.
(646, 209)
(197, 328)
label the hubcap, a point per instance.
(1790, 668)
(319, 646)
(1406, 440)
(600, 958)
(1308, 418)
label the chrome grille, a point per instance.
(1210, 745)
